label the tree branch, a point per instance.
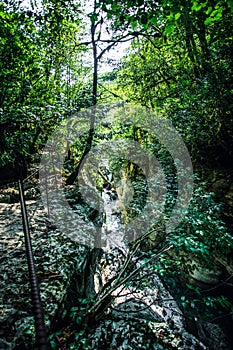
(111, 92)
(114, 42)
(105, 300)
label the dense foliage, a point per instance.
(179, 63)
(39, 74)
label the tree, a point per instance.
(99, 46)
(180, 73)
(39, 74)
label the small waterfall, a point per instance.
(113, 229)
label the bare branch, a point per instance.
(111, 92)
(103, 301)
(114, 42)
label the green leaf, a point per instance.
(134, 24)
(75, 308)
(177, 16)
(218, 16)
(208, 21)
(209, 10)
(153, 20)
(53, 344)
(93, 17)
(230, 4)
(192, 304)
(78, 319)
(169, 29)
(115, 6)
(197, 7)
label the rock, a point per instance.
(204, 274)
(213, 336)
(50, 248)
(227, 262)
(145, 317)
(122, 332)
(9, 195)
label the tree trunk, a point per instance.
(70, 180)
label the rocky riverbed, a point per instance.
(144, 315)
(57, 260)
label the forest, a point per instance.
(116, 133)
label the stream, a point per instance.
(145, 300)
